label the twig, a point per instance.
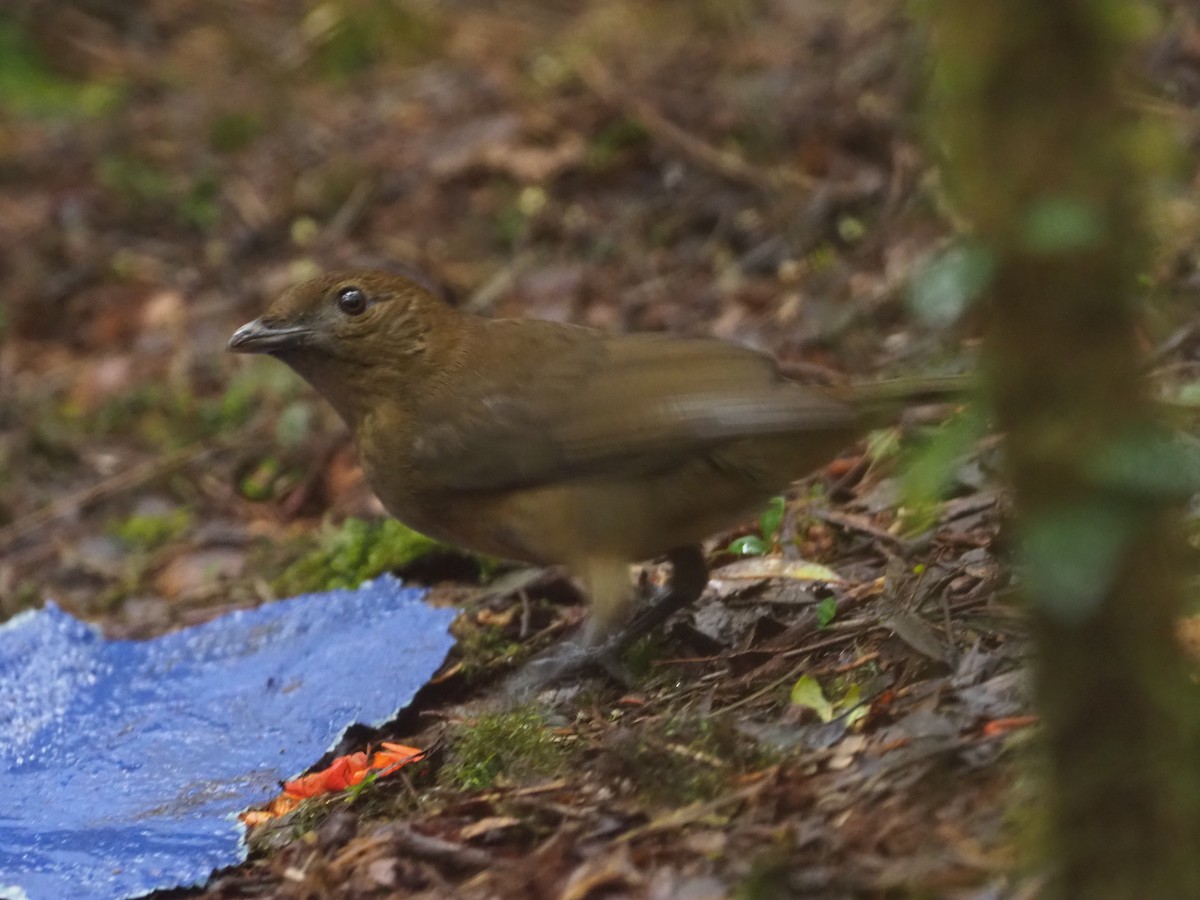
(724, 163)
(350, 213)
(437, 850)
(485, 296)
(790, 675)
(690, 814)
(857, 523)
(1173, 342)
(150, 470)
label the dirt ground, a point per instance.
(751, 169)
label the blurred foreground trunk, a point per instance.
(1044, 160)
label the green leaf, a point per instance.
(853, 705)
(807, 692)
(826, 610)
(771, 520)
(943, 290)
(883, 444)
(930, 468)
(850, 229)
(750, 545)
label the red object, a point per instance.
(347, 771)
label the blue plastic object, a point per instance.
(124, 764)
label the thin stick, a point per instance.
(729, 165)
(39, 519)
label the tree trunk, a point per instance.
(1044, 160)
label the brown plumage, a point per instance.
(544, 442)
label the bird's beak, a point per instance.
(263, 337)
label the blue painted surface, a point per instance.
(123, 764)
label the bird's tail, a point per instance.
(880, 403)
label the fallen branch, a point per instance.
(722, 162)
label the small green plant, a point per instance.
(30, 87)
(200, 206)
(353, 552)
(822, 258)
(769, 525)
(268, 479)
(148, 189)
(511, 220)
(162, 415)
(256, 380)
(138, 181)
(351, 35)
(847, 698)
(149, 532)
(515, 744)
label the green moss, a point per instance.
(148, 532)
(352, 553)
(515, 744)
(691, 760)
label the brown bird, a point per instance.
(548, 443)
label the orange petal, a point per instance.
(395, 756)
(334, 778)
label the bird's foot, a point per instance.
(689, 574)
(562, 663)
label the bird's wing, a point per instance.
(577, 406)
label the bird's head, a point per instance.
(349, 334)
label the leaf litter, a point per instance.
(746, 170)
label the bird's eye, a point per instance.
(352, 301)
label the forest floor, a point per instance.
(845, 712)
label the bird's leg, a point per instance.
(689, 575)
